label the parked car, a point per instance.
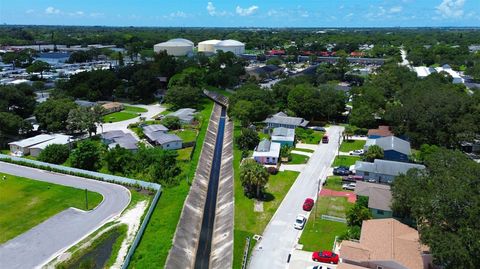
(308, 204)
(341, 171)
(317, 128)
(325, 139)
(352, 178)
(357, 152)
(318, 267)
(325, 256)
(300, 222)
(349, 186)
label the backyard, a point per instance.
(26, 203)
(345, 161)
(129, 112)
(350, 145)
(319, 234)
(298, 159)
(308, 136)
(333, 183)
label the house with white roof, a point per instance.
(22, 147)
(283, 120)
(284, 136)
(58, 139)
(267, 152)
(423, 71)
(383, 171)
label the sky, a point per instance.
(239, 13)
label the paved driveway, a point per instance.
(45, 241)
(279, 237)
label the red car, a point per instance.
(308, 204)
(325, 139)
(325, 256)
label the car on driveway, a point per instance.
(325, 256)
(318, 267)
(317, 128)
(308, 204)
(300, 222)
(325, 139)
(357, 152)
(341, 171)
(349, 186)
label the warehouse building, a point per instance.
(230, 45)
(175, 47)
(208, 46)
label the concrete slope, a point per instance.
(50, 238)
(279, 237)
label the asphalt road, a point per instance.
(279, 237)
(45, 241)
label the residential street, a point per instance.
(37, 246)
(279, 237)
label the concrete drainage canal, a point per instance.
(204, 234)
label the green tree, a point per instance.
(38, 66)
(165, 169)
(303, 100)
(55, 153)
(18, 99)
(254, 177)
(248, 139)
(373, 152)
(357, 214)
(183, 96)
(119, 160)
(243, 111)
(172, 122)
(443, 201)
(11, 126)
(87, 155)
(52, 114)
(82, 119)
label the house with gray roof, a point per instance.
(283, 120)
(379, 198)
(124, 140)
(284, 136)
(152, 132)
(168, 141)
(267, 152)
(383, 171)
(22, 147)
(186, 115)
(394, 148)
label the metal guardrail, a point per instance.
(102, 177)
(245, 252)
(76, 171)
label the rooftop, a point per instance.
(379, 195)
(28, 142)
(154, 128)
(282, 118)
(381, 131)
(386, 167)
(391, 143)
(185, 114)
(163, 138)
(267, 149)
(386, 241)
(57, 139)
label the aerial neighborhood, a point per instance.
(236, 136)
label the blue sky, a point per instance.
(227, 13)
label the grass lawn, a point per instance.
(320, 234)
(345, 161)
(261, 135)
(153, 249)
(187, 135)
(334, 183)
(308, 136)
(129, 112)
(247, 222)
(304, 150)
(26, 203)
(184, 154)
(349, 145)
(298, 159)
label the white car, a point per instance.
(300, 222)
(357, 152)
(349, 186)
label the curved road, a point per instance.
(45, 241)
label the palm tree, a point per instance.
(253, 177)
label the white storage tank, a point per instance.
(208, 46)
(231, 45)
(175, 47)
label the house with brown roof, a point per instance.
(379, 198)
(386, 244)
(382, 131)
(111, 107)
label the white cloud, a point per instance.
(396, 9)
(52, 10)
(246, 11)
(211, 9)
(451, 8)
(177, 14)
(30, 11)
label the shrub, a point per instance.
(55, 153)
(172, 123)
(272, 170)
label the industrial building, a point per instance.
(423, 72)
(175, 47)
(208, 46)
(231, 45)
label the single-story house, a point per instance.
(167, 141)
(383, 171)
(379, 198)
(152, 131)
(124, 140)
(284, 136)
(58, 139)
(386, 244)
(23, 146)
(112, 107)
(84, 103)
(471, 147)
(382, 131)
(394, 148)
(265, 71)
(186, 115)
(267, 152)
(282, 120)
(424, 71)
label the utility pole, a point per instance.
(86, 199)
